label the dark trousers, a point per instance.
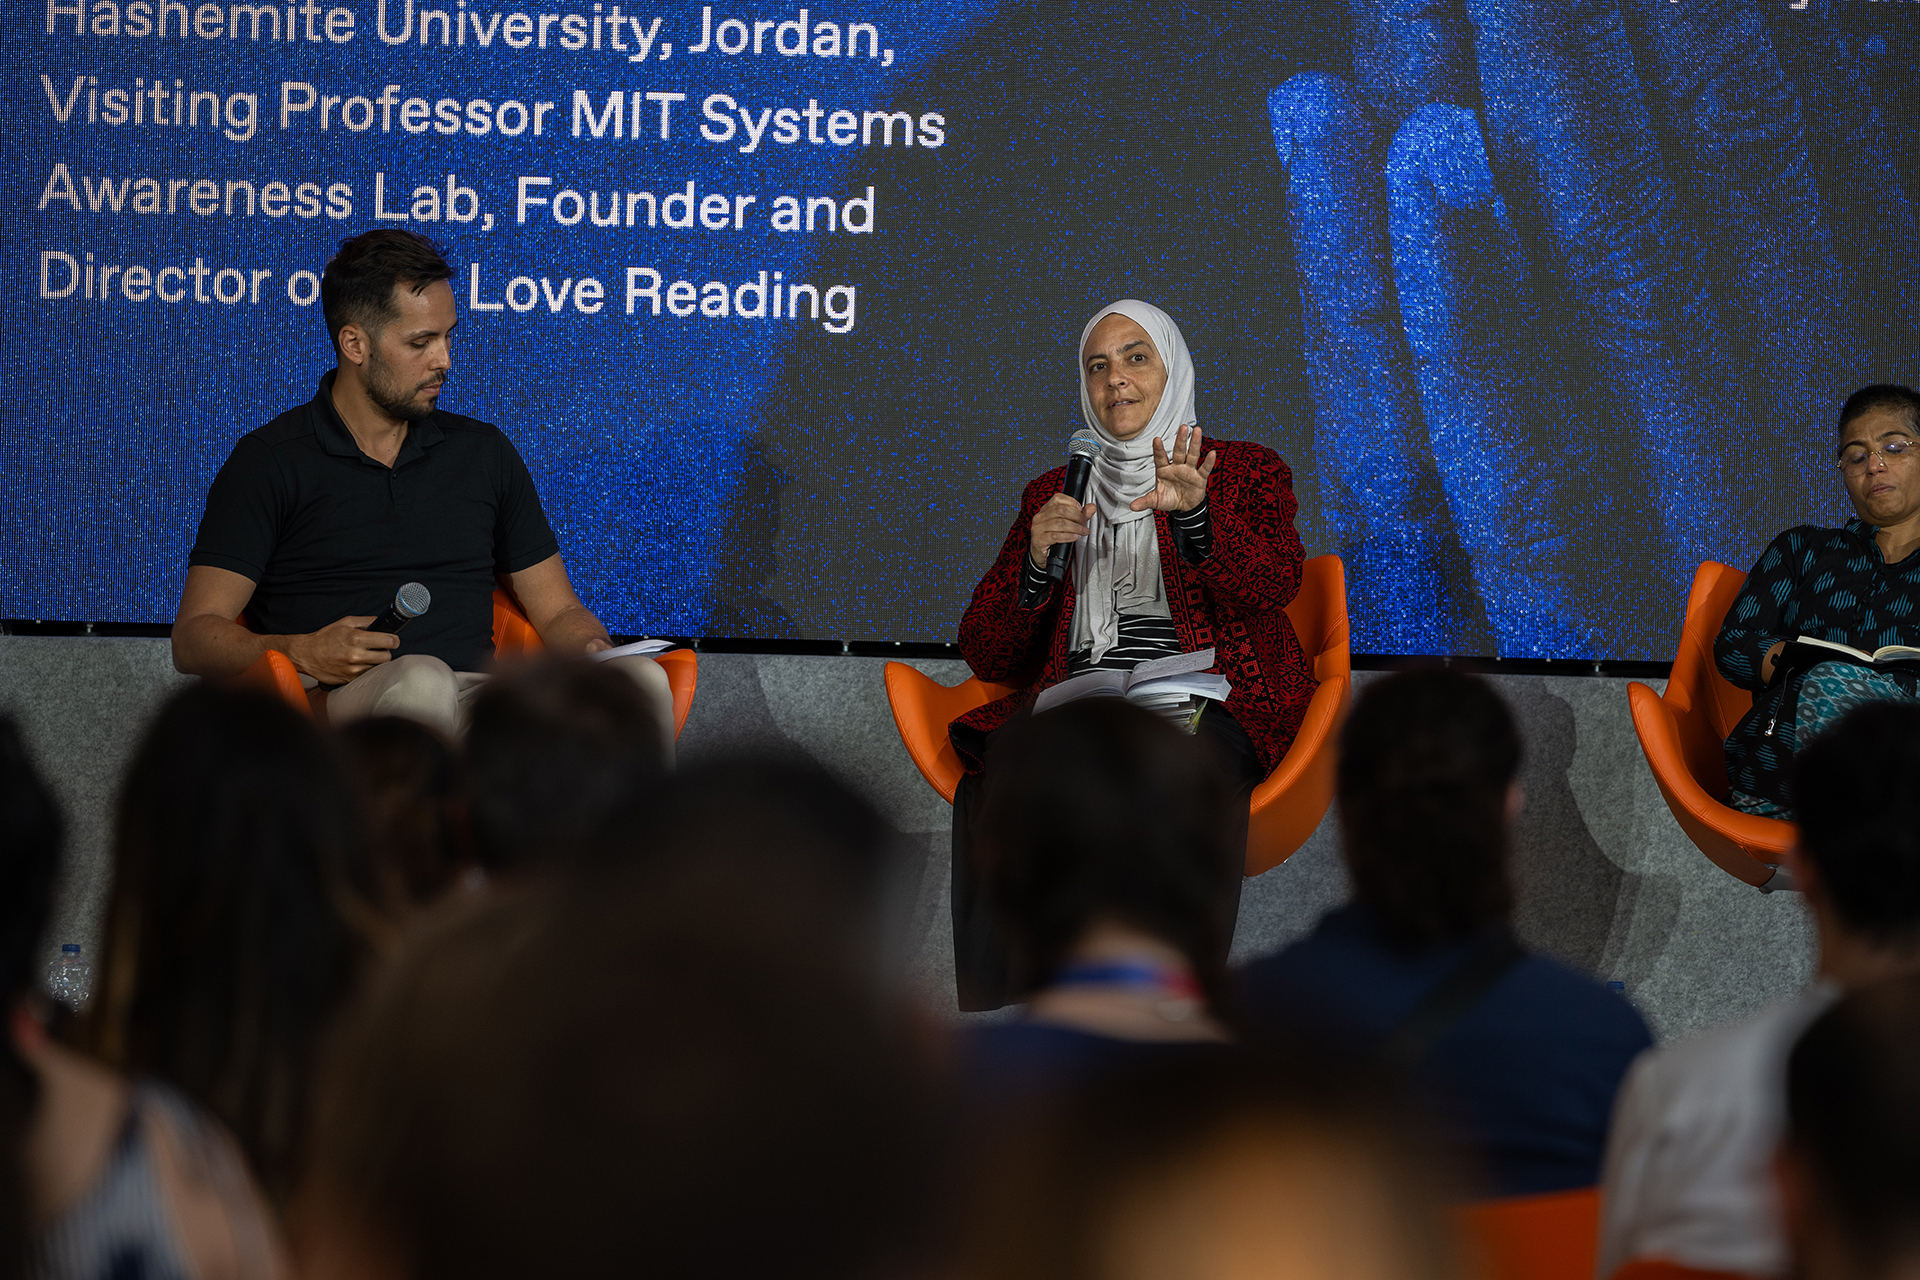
(981, 969)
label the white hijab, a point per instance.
(1118, 568)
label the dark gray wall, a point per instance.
(1608, 881)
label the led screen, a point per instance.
(1543, 303)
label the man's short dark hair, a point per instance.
(1425, 763)
(558, 752)
(1856, 792)
(357, 287)
(1881, 397)
(1853, 1120)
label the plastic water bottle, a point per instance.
(71, 980)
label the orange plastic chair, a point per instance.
(513, 637)
(1684, 731)
(1661, 1269)
(1285, 809)
(1547, 1237)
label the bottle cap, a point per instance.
(70, 949)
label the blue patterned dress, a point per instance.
(1831, 584)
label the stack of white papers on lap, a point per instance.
(647, 647)
(1164, 682)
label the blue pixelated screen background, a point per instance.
(1543, 302)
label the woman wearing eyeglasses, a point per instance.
(1858, 585)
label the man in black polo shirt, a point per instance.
(320, 516)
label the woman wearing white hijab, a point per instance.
(1185, 544)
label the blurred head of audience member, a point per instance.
(1858, 857)
(240, 914)
(1107, 844)
(559, 753)
(1427, 794)
(677, 1075)
(415, 787)
(30, 834)
(1850, 1165)
(1223, 1166)
(780, 817)
(99, 1177)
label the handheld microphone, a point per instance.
(1081, 451)
(409, 602)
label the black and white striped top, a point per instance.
(1142, 638)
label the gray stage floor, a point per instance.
(1608, 881)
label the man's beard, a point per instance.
(405, 403)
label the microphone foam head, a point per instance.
(1084, 444)
(412, 600)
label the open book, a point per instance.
(1805, 651)
(648, 647)
(1166, 684)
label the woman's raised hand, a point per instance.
(1180, 476)
(1061, 520)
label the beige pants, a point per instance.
(418, 687)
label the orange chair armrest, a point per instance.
(273, 672)
(513, 633)
(922, 710)
(1739, 843)
(1286, 809)
(683, 676)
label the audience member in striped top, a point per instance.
(101, 1176)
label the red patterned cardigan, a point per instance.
(1235, 602)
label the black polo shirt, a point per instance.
(325, 532)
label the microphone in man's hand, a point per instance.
(409, 602)
(1081, 451)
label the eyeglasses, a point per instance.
(1854, 458)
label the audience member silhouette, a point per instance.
(415, 787)
(679, 1074)
(1108, 851)
(1689, 1172)
(1521, 1053)
(1212, 1167)
(786, 818)
(241, 913)
(1850, 1166)
(100, 1176)
(559, 752)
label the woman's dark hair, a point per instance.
(679, 1073)
(1853, 1119)
(1881, 397)
(416, 796)
(1049, 1198)
(240, 913)
(357, 285)
(557, 752)
(1859, 818)
(30, 836)
(1426, 760)
(1099, 809)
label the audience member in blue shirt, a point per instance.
(1108, 849)
(1525, 1070)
